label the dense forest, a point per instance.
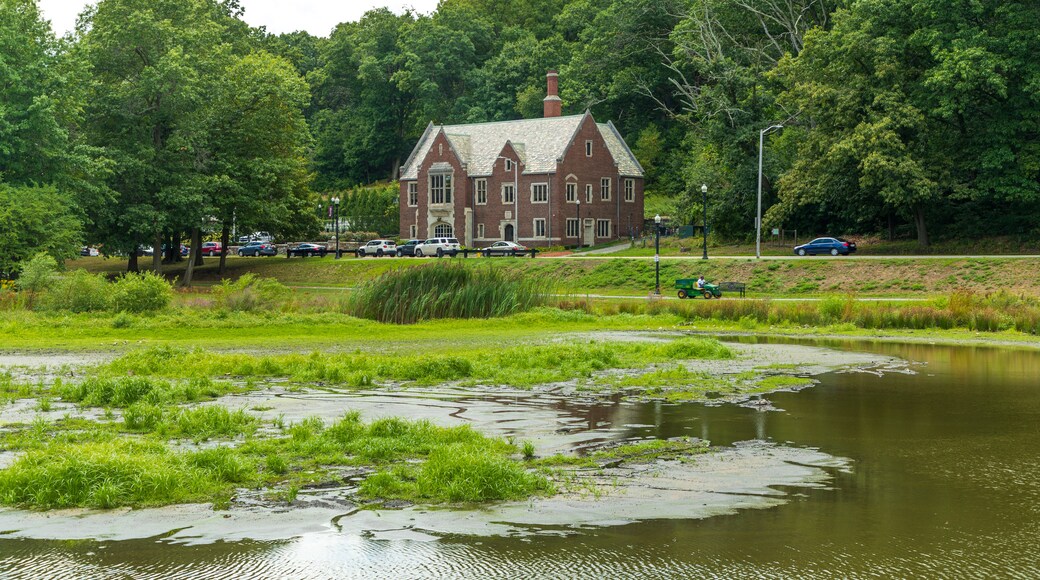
(167, 119)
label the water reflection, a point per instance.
(945, 482)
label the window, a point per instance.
(539, 193)
(509, 164)
(588, 193)
(440, 188)
(602, 228)
(572, 227)
(442, 230)
(413, 231)
(413, 194)
(481, 192)
(539, 227)
(480, 231)
(572, 192)
(588, 149)
(507, 193)
(630, 190)
(604, 189)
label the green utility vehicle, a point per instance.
(688, 287)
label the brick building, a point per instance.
(578, 182)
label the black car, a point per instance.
(407, 248)
(304, 250)
(832, 246)
(258, 249)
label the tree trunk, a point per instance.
(157, 253)
(891, 227)
(922, 230)
(225, 238)
(189, 271)
(131, 262)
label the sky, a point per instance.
(317, 17)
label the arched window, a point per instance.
(442, 230)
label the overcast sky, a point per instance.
(317, 17)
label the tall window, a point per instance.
(604, 189)
(630, 190)
(539, 227)
(588, 149)
(508, 195)
(413, 231)
(602, 228)
(588, 193)
(480, 231)
(442, 230)
(572, 192)
(539, 192)
(572, 227)
(509, 164)
(481, 191)
(413, 194)
(440, 188)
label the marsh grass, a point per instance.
(124, 391)
(198, 423)
(520, 366)
(410, 295)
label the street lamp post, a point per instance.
(578, 203)
(657, 254)
(704, 192)
(335, 204)
(516, 197)
(758, 218)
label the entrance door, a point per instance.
(589, 239)
(509, 232)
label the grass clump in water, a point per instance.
(411, 295)
(122, 392)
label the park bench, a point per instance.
(738, 287)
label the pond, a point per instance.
(941, 478)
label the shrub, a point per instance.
(37, 275)
(79, 291)
(251, 292)
(147, 292)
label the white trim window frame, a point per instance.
(508, 164)
(480, 189)
(588, 193)
(480, 231)
(602, 228)
(538, 226)
(539, 193)
(413, 194)
(572, 192)
(508, 195)
(588, 149)
(604, 189)
(573, 227)
(630, 190)
(413, 231)
(443, 230)
(441, 186)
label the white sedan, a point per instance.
(502, 249)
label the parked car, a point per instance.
(378, 248)
(306, 249)
(438, 247)
(502, 248)
(258, 249)
(407, 248)
(212, 249)
(88, 251)
(184, 250)
(145, 251)
(832, 246)
(256, 237)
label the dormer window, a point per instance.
(509, 164)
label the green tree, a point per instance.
(35, 219)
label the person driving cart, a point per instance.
(701, 282)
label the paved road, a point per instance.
(793, 257)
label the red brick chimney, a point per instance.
(552, 104)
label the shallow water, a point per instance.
(944, 481)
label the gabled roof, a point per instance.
(539, 142)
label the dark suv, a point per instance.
(407, 248)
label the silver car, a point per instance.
(438, 247)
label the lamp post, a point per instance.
(704, 192)
(516, 197)
(657, 254)
(335, 204)
(758, 218)
(578, 203)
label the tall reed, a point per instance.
(410, 295)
